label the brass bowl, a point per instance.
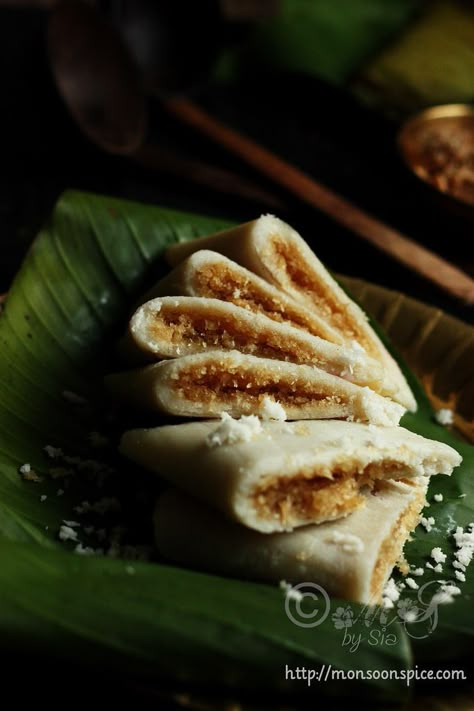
(428, 143)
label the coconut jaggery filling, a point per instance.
(295, 268)
(217, 281)
(308, 495)
(208, 331)
(174, 326)
(216, 382)
(392, 546)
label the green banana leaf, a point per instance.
(411, 72)
(327, 40)
(66, 308)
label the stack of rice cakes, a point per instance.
(249, 327)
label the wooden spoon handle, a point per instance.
(420, 259)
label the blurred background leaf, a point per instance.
(400, 55)
(431, 62)
(327, 39)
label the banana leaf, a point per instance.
(327, 40)
(150, 620)
(410, 73)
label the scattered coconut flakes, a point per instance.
(412, 584)
(290, 592)
(462, 496)
(272, 410)
(446, 594)
(84, 550)
(66, 533)
(429, 565)
(53, 452)
(349, 543)
(460, 576)
(450, 589)
(98, 440)
(438, 497)
(73, 398)
(390, 591)
(387, 603)
(444, 416)
(438, 568)
(410, 616)
(418, 571)
(464, 556)
(232, 431)
(295, 595)
(72, 524)
(442, 598)
(427, 523)
(43, 497)
(438, 555)
(464, 540)
(29, 474)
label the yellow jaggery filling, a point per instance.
(291, 263)
(392, 546)
(211, 382)
(219, 282)
(305, 499)
(308, 495)
(208, 331)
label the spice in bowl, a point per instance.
(438, 145)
